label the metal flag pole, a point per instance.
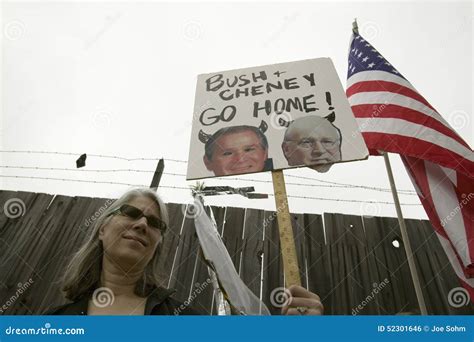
(401, 222)
(405, 239)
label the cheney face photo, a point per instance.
(312, 140)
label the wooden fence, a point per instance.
(350, 261)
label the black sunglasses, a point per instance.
(136, 214)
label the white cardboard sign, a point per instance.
(272, 117)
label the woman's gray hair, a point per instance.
(82, 275)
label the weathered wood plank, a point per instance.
(252, 250)
(232, 233)
(273, 276)
(297, 221)
(171, 241)
(359, 254)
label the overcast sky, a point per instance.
(119, 79)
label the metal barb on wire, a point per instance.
(197, 189)
(228, 190)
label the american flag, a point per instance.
(394, 117)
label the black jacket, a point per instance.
(159, 302)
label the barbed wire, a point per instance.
(78, 154)
(189, 189)
(351, 201)
(73, 180)
(410, 192)
(76, 170)
(109, 156)
(334, 184)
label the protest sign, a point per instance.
(272, 117)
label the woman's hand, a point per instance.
(302, 302)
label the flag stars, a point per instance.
(371, 65)
(394, 71)
(379, 56)
(365, 59)
(359, 55)
(367, 45)
(387, 63)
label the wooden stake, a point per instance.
(287, 242)
(157, 175)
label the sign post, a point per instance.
(287, 241)
(271, 118)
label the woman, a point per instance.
(116, 271)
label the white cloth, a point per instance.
(239, 295)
